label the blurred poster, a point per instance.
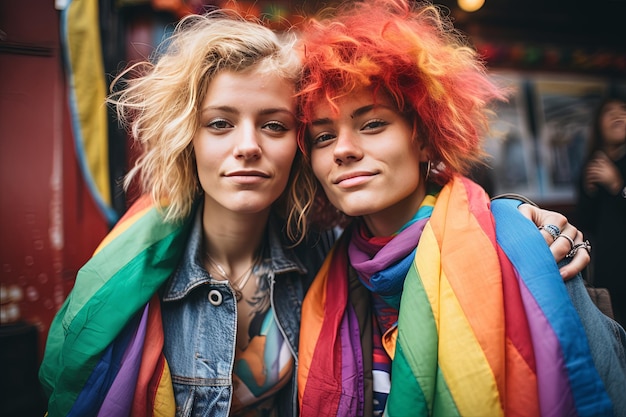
(510, 143)
(539, 137)
(564, 108)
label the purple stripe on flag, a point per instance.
(555, 395)
(119, 399)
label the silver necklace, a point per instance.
(239, 284)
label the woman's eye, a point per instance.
(374, 124)
(322, 138)
(275, 127)
(219, 124)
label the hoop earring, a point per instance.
(427, 171)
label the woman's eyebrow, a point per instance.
(265, 112)
(262, 112)
(225, 109)
(366, 109)
(358, 112)
(321, 122)
(363, 110)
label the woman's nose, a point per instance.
(247, 144)
(347, 148)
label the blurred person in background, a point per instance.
(602, 201)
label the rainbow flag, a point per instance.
(485, 326)
(107, 336)
(82, 51)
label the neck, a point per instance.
(388, 221)
(616, 151)
(233, 240)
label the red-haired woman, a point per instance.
(436, 300)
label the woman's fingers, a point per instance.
(561, 236)
(574, 248)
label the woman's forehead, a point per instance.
(360, 97)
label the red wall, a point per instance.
(49, 224)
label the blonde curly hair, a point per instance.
(158, 102)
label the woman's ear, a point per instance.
(424, 151)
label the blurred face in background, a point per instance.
(613, 123)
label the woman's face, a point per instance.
(367, 160)
(613, 123)
(246, 143)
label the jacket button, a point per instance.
(215, 297)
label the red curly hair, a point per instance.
(413, 53)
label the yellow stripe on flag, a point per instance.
(85, 58)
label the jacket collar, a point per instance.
(191, 273)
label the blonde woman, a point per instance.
(191, 305)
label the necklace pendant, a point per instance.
(238, 284)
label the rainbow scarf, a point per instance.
(103, 353)
(489, 331)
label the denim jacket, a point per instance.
(200, 321)
(607, 343)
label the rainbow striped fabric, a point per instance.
(485, 326)
(103, 352)
(87, 90)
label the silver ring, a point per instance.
(552, 229)
(571, 241)
(585, 245)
